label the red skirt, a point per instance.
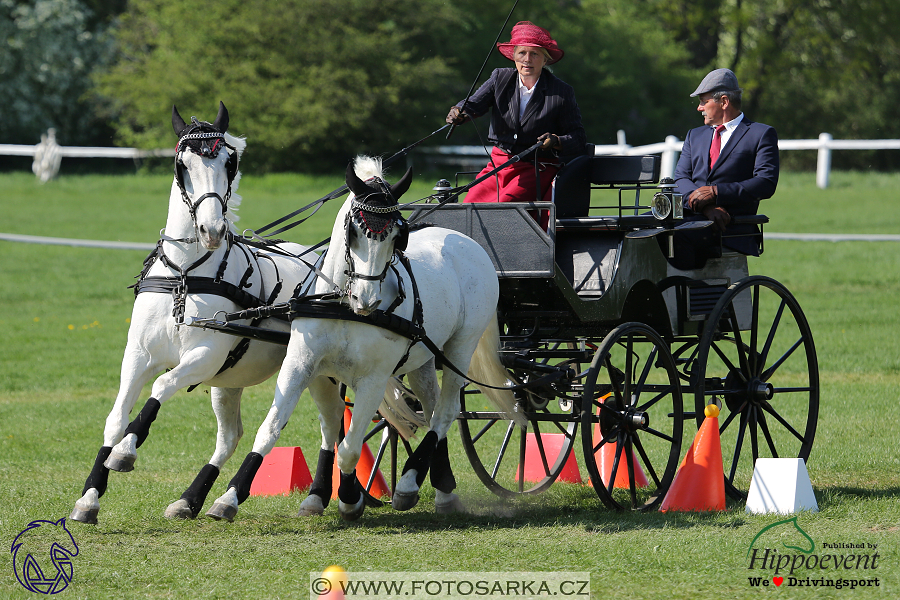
(517, 182)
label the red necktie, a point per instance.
(716, 145)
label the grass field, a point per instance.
(63, 320)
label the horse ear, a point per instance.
(399, 188)
(356, 185)
(178, 123)
(221, 122)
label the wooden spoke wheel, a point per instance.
(631, 418)
(510, 460)
(757, 361)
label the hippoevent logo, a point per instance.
(782, 554)
(42, 556)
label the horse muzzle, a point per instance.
(212, 236)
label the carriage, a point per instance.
(593, 317)
(617, 340)
(610, 342)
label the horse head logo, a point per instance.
(42, 556)
(790, 532)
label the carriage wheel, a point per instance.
(386, 456)
(758, 363)
(631, 418)
(498, 450)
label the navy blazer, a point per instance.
(552, 109)
(745, 172)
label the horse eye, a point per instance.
(185, 176)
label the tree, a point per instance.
(50, 51)
(806, 66)
(308, 82)
(316, 81)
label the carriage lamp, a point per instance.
(442, 191)
(661, 206)
(666, 203)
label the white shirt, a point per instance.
(730, 126)
(524, 96)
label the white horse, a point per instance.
(197, 269)
(458, 289)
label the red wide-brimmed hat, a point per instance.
(526, 33)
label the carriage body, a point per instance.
(617, 339)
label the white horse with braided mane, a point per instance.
(198, 268)
(458, 290)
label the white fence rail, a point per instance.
(670, 149)
(47, 154)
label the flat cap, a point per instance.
(720, 79)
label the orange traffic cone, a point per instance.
(364, 468)
(699, 484)
(332, 583)
(283, 470)
(608, 459)
(534, 466)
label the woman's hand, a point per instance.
(550, 141)
(456, 116)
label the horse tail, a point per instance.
(487, 368)
(397, 410)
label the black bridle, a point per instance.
(356, 217)
(204, 141)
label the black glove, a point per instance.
(550, 141)
(717, 215)
(456, 116)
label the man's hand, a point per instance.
(456, 116)
(717, 215)
(701, 198)
(549, 140)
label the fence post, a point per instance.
(667, 164)
(823, 165)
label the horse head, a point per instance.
(374, 231)
(206, 166)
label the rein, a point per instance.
(336, 193)
(323, 307)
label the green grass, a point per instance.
(63, 321)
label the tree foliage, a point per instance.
(309, 81)
(312, 82)
(50, 47)
(806, 66)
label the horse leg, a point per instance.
(196, 366)
(433, 451)
(369, 395)
(423, 382)
(326, 395)
(226, 403)
(292, 380)
(136, 371)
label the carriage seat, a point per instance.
(572, 188)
